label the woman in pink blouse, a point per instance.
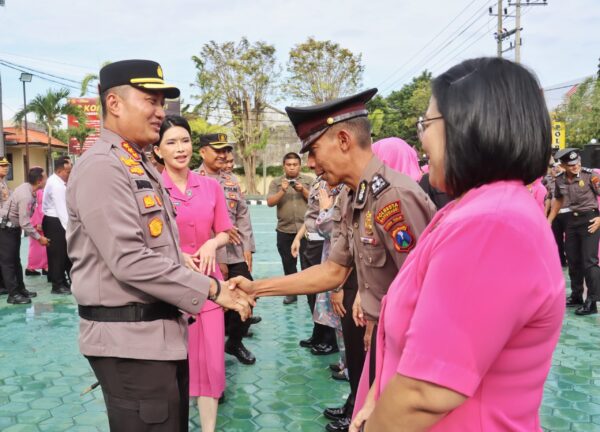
(201, 211)
(37, 258)
(468, 326)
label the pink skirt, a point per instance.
(37, 259)
(206, 351)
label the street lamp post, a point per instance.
(25, 78)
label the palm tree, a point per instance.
(88, 79)
(48, 110)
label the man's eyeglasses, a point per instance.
(421, 124)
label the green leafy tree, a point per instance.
(49, 109)
(80, 133)
(89, 79)
(319, 71)
(581, 114)
(238, 78)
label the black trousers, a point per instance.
(59, 264)
(312, 256)
(10, 260)
(559, 228)
(353, 341)
(236, 328)
(581, 248)
(144, 395)
(284, 247)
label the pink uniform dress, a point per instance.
(477, 308)
(202, 211)
(539, 193)
(37, 259)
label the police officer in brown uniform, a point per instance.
(128, 275)
(384, 214)
(235, 259)
(4, 195)
(580, 187)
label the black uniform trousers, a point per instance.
(144, 395)
(312, 256)
(59, 264)
(581, 248)
(234, 326)
(559, 228)
(353, 341)
(10, 260)
(284, 247)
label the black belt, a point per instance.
(134, 312)
(585, 213)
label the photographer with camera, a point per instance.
(290, 194)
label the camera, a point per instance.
(292, 183)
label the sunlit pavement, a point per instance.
(42, 373)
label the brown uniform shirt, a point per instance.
(313, 208)
(122, 238)
(20, 208)
(380, 225)
(239, 214)
(580, 193)
(292, 206)
(4, 195)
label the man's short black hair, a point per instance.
(59, 162)
(35, 175)
(291, 155)
(103, 95)
(496, 121)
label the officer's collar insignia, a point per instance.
(127, 147)
(143, 184)
(361, 196)
(378, 184)
(138, 170)
(155, 226)
(149, 201)
(129, 162)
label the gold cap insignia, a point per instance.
(222, 137)
(329, 120)
(159, 72)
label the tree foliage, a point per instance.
(322, 70)
(581, 114)
(240, 78)
(88, 79)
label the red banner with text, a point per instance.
(91, 108)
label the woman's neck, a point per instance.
(179, 177)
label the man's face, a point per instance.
(324, 157)
(229, 162)
(291, 167)
(572, 170)
(140, 115)
(67, 170)
(213, 158)
(4, 170)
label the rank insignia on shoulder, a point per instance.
(155, 225)
(143, 184)
(404, 241)
(149, 201)
(361, 196)
(127, 147)
(387, 212)
(378, 184)
(129, 162)
(138, 170)
(158, 200)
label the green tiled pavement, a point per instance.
(42, 373)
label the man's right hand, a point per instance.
(284, 185)
(44, 241)
(235, 299)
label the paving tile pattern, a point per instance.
(42, 373)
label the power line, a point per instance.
(41, 75)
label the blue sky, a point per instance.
(72, 38)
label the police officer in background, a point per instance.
(384, 215)
(128, 274)
(15, 218)
(579, 187)
(235, 259)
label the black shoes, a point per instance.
(238, 350)
(32, 273)
(335, 413)
(574, 301)
(254, 319)
(307, 343)
(18, 299)
(323, 349)
(335, 367)
(588, 308)
(341, 425)
(3, 291)
(60, 289)
(29, 294)
(290, 299)
(339, 376)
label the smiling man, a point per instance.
(381, 218)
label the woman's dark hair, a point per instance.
(497, 123)
(169, 122)
(34, 175)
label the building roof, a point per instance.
(16, 136)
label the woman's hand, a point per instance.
(368, 334)
(337, 302)
(364, 413)
(206, 257)
(295, 247)
(325, 201)
(188, 261)
(357, 313)
(234, 236)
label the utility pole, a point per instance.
(499, 38)
(518, 32)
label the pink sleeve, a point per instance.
(478, 288)
(221, 222)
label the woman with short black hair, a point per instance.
(468, 327)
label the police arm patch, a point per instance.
(389, 211)
(403, 239)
